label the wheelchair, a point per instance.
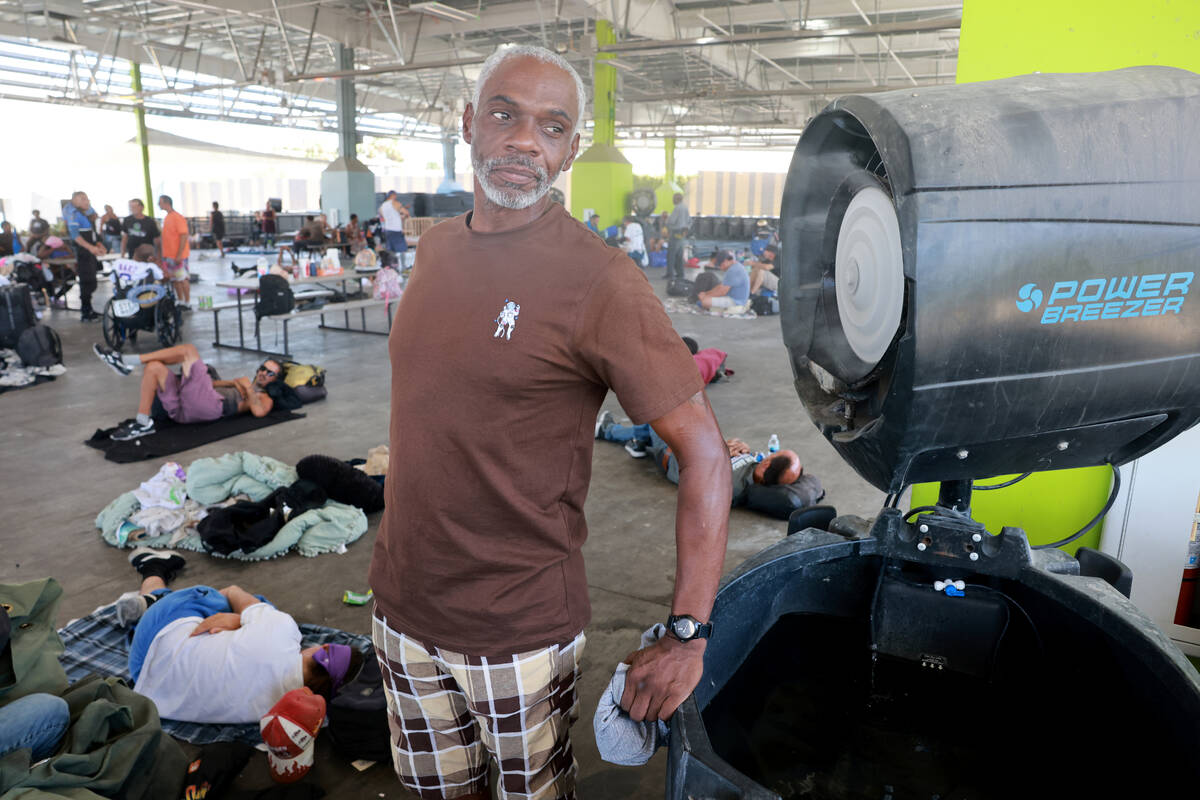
(141, 306)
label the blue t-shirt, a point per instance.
(738, 282)
(76, 221)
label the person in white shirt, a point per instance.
(227, 656)
(633, 242)
(392, 214)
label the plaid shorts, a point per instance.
(448, 712)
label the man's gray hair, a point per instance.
(504, 53)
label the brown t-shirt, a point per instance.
(503, 348)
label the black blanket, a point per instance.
(171, 437)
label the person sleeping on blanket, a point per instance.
(192, 395)
(226, 656)
(776, 485)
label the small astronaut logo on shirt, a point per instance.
(506, 323)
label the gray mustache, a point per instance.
(523, 162)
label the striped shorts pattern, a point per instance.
(449, 711)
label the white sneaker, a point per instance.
(603, 420)
(130, 608)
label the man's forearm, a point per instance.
(702, 517)
(239, 599)
(701, 529)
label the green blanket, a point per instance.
(213, 480)
(115, 747)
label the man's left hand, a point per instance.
(661, 677)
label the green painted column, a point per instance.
(664, 195)
(1003, 38)
(604, 88)
(143, 140)
(602, 178)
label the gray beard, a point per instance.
(505, 195)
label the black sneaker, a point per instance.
(604, 421)
(636, 448)
(88, 316)
(165, 564)
(132, 430)
(112, 358)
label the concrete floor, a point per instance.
(52, 486)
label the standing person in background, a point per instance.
(138, 230)
(677, 227)
(79, 217)
(110, 229)
(392, 214)
(354, 235)
(175, 251)
(633, 241)
(268, 226)
(37, 225)
(10, 243)
(217, 222)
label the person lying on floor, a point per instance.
(227, 656)
(781, 469)
(192, 395)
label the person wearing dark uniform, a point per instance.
(78, 215)
(268, 226)
(218, 227)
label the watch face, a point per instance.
(684, 628)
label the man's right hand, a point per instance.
(224, 621)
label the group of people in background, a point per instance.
(91, 236)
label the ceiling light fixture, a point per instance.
(436, 9)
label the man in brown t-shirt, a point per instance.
(516, 322)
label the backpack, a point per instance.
(679, 287)
(39, 346)
(16, 313)
(705, 282)
(274, 296)
(303, 374)
(358, 717)
(763, 305)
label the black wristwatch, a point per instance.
(685, 628)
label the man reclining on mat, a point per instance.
(192, 395)
(778, 469)
(225, 656)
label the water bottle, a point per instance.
(758, 457)
(262, 267)
(773, 444)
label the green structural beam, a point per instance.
(604, 93)
(664, 193)
(602, 178)
(139, 112)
